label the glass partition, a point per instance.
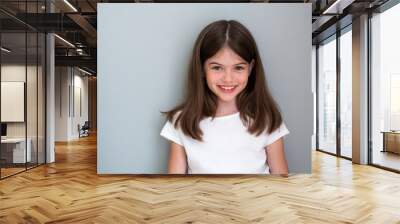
(14, 154)
(22, 77)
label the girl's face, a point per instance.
(227, 74)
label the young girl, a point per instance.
(228, 122)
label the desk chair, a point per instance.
(84, 130)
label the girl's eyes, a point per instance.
(218, 68)
(240, 68)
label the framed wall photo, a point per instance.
(12, 101)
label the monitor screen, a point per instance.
(3, 129)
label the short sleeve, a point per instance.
(278, 133)
(171, 133)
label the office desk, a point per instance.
(15, 148)
(391, 141)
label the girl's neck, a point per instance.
(226, 108)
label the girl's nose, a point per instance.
(227, 76)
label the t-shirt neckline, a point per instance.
(226, 116)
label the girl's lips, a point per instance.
(227, 89)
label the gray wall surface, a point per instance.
(143, 55)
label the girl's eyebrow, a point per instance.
(214, 63)
(244, 63)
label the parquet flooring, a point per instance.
(70, 191)
(10, 171)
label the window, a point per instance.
(346, 92)
(385, 88)
(327, 96)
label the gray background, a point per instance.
(143, 55)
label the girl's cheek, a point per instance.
(212, 79)
(242, 76)
(214, 76)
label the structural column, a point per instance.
(50, 92)
(360, 90)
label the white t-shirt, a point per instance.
(227, 147)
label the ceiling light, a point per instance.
(84, 71)
(70, 5)
(338, 6)
(65, 41)
(5, 50)
(331, 7)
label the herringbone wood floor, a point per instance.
(70, 191)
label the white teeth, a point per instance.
(227, 88)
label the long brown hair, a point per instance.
(258, 110)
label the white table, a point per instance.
(19, 155)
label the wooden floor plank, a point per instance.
(70, 191)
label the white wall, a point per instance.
(15, 73)
(61, 103)
(69, 84)
(79, 117)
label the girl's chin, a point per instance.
(225, 99)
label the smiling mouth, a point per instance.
(227, 89)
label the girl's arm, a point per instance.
(177, 159)
(276, 158)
